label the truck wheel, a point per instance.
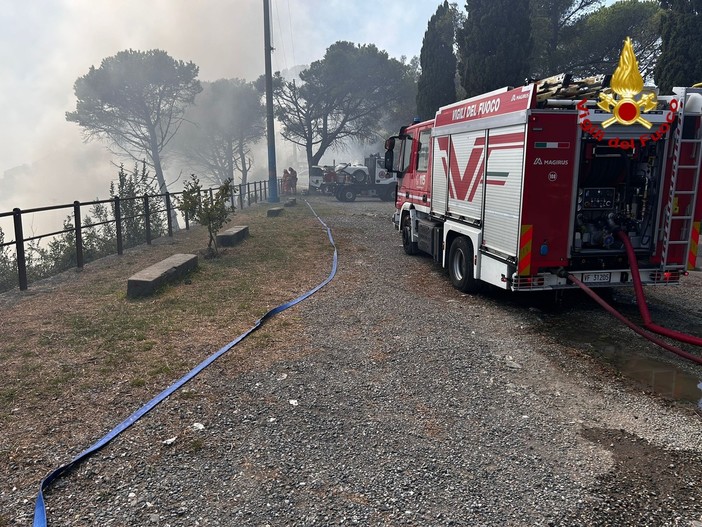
(390, 195)
(460, 264)
(348, 194)
(408, 245)
(339, 194)
(359, 177)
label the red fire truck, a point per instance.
(519, 191)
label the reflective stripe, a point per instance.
(524, 268)
(692, 255)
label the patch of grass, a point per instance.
(28, 369)
(160, 369)
(7, 396)
(146, 345)
(262, 339)
(115, 359)
(9, 351)
(137, 382)
(56, 384)
(195, 445)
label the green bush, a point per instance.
(212, 211)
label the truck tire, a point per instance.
(408, 245)
(460, 265)
(338, 194)
(359, 177)
(390, 194)
(347, 194)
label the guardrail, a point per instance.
(241, 195)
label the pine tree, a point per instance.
(680, 62)
(437, 82)
(494, 45)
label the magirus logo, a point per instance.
(626, 99)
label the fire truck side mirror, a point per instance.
(389, 160)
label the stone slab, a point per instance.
(232, 236)
(147, 281)
(291, 202)
(275, 211)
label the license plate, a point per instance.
(596, 278)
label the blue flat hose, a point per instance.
(40, 509)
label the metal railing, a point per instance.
(241, 195)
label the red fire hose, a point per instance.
(645, 315)
(632, 326)
(641, 301)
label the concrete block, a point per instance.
(147, 281)
(232, 236)
(275, 211)
(291, 202)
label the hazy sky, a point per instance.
(45, 45)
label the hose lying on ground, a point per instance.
(641, 301)
(631, 325)
(643, 309)
(40, 508)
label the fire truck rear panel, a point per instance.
(550, 170)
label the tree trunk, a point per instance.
(242, 159)
(310, 158)
(230, 161)
(163, 188)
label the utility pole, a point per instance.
(272, 171)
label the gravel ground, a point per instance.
(404, 402)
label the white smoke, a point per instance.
(46, 45)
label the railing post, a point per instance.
(241, 195)
(231, 195)
(19, 248)
(168, 213)
(147, 216)
(187, 221)
(79, 234)
(118, 225)
(248, 193)
(265, 191)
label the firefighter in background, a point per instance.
(293, 180)
(286, 182)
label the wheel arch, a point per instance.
(451, 232)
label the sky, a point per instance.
(45, 45)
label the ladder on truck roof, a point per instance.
(568, 87)
(690, 104)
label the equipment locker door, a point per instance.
(441, 152)
(503, 189)
(465, 177)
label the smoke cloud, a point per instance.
(47, 44)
